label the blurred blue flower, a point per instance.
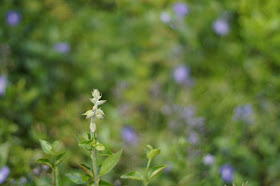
(180, 9)
(3, 84)
(243, 113)
(181, 75)
(165, 17)
(226, 172)
(220, 26)
(4, 173)
(12, 17)
(129, 135)
(61, 47)
(36, 171)
(208, 159)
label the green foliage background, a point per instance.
(122, 48)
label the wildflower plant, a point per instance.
(56, 159)
(149, 173)
(95, 149)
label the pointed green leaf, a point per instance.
(86, 169)
(135, 175)
(105, 153)
(155, 170)
(47, 147)
(153, 153)
(99, 147)
(86, 144)
(45, 162)
(80, 138)
(77, 178)
(109, 163)
(104, 183)
(54, 144)
(60, 158)
(147, 149)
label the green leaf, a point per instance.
(105, 153)
(47, 147)
(109, 163)
(104, 183)
(80, 138)
(99, 147)
(155, 170)
(147, 149)
(60, 158)
(153, 153)
(86, 169)
(54, 144)
(86, 144)
(135, 175)
(77, 178)
(45, 162)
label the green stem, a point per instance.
(147, 169)
(55, 176)
(93, 157)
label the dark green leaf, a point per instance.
(60, 158)
(135, 175)
(86, 169)
(155, 170)
(77, 178)
(104, 183)
(45, 162)
(153, 153)
(47, 147)
(109, 163)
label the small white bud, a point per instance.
(99, 114)
(101, 102)
(92, 127)
(88, 113)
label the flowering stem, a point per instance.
(93, 156)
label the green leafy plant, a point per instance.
(56, 159)
(95, 149)
(150, 172)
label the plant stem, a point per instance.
(147, 168)
(93, 156)
(55, 176)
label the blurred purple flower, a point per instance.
(243, 113)
(180, 9)
(181, 74)
(193, 138)
(61, 47)
(12, 17)
(3, 84)
(4, 173)
(45, 167)
(220, 26)
(165, 17)
(226, 172)
(22, 180)
(208, 159)
(36, 171)
(129, 135)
